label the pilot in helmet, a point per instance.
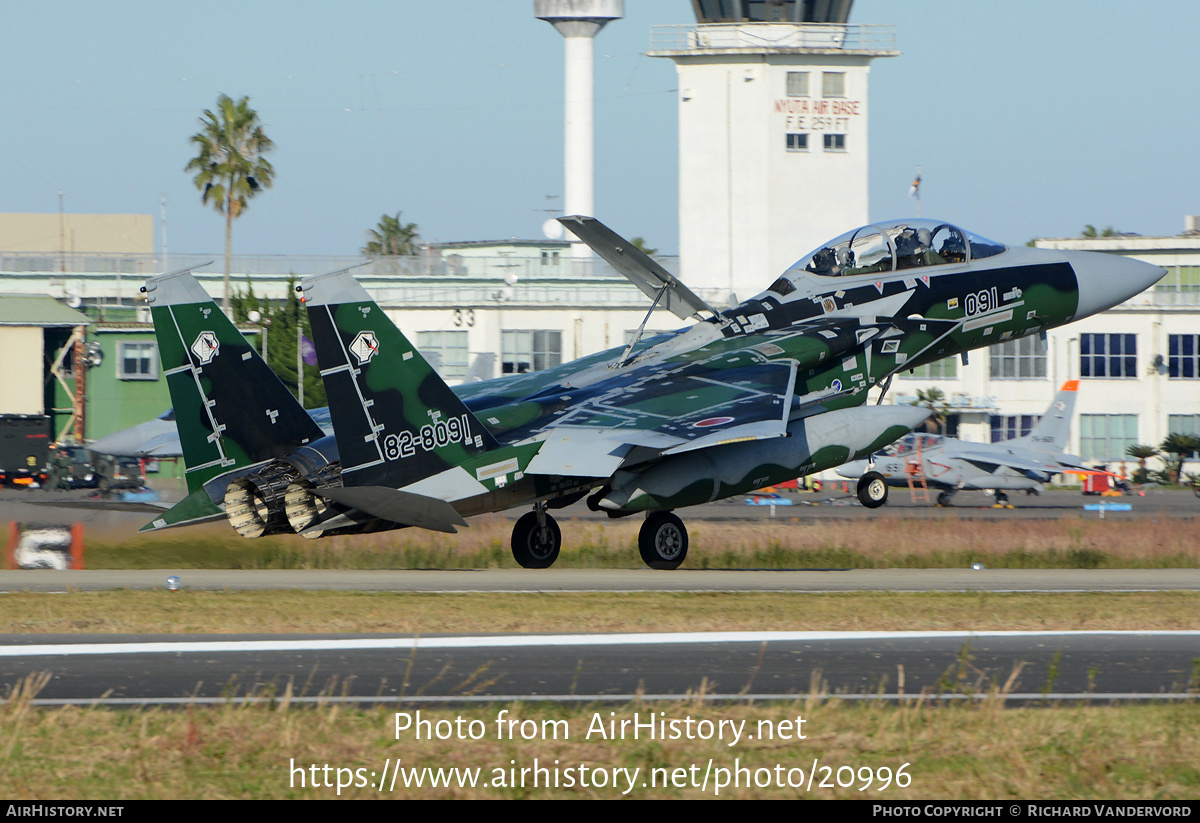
(823, 262)
(954, 248)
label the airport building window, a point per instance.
(534, 350)
(1181, 287)
(1018, 359)
(446, 350)
(1106, 436)
(833, 84)
(549, 258)
(944, 369)
(797, 142)
(1108, 355)
(137, 360)
(797, 84)
(1183, 424)
(1183, 356)
(835, 142)
(1012, 426)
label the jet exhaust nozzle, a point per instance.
(257, 504)
(252, 505)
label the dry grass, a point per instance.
(885, 541)
(161, 612)
(972, 751)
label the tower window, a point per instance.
(797, 84)
(797, 142)
(833, 84)
(835, 142)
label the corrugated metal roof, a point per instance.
(38, 310)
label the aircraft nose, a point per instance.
(1106, 280)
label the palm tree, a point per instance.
(391, 238)
(1142, 452)
(640, 245)
(230, 165)
(1180, 446)
(934, 399)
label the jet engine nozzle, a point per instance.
(256, 504)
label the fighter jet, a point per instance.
(946, 463)
(770, 390)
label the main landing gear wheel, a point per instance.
(872, 490)
(1002, 500)
(535, 546)
(944, 498)
(663, 541)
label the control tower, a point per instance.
(578, 21)
(772, 134)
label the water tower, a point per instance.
(578, 21)
(772, 134)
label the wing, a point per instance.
(1018, 460)
(733, 389)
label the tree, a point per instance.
(1180, 446)
(278, 323)
(1142, 452)
(934, 399)
(1090, 231)
(640, 245)
(230, 165)
(391, 238)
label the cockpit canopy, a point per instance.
(889, 247)
(914, 442)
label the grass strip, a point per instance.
(796, 542)
(163, 612)
(915, 750)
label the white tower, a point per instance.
(772, 134)
(578, 21)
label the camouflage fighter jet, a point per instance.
(771, 390)
(947, 463)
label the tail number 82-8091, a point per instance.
(429, 437)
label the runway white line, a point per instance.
(525, 641)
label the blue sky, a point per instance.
(1028, 118)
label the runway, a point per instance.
(1066, 666)
(1027, 666)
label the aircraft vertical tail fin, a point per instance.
(1054, 429)
(396, 420)
(230, 408)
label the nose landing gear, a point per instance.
(872, 490)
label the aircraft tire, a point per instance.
(663, 541)
(529, 548)
(1001, 498)
(944, 498)
(872, 490)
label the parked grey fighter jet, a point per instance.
(770, 390)
(949, 464)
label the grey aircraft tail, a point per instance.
(1054, 429)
